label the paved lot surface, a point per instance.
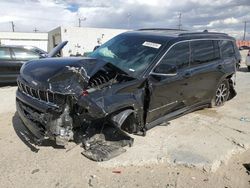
(204, 139)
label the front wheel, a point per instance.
(221, 94)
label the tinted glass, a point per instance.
(204, 51)
(227, 48)
(23, 54)
(178, 55)
(5, 54)
(130, 53)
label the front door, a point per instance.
(167, 91)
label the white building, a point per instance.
(80, 39)
(39, 40)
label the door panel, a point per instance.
(203, 82)
(168, 90)
(206, 68)
(167, 95)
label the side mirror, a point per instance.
(165, 70)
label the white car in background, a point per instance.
(248, 60)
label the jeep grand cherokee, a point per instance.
(135, 81)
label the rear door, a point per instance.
(167, 92)
(7, 73)
(206, 69)
(229, 55)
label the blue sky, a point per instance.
(214, 15)
(73, 7)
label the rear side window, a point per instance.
(204, 51)
(5, 54)
(23, 54)
(179, 55)
(227, 48)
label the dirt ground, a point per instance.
(23, 165)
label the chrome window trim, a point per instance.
(174, 102)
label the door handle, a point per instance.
(187, 75)
(219, 67)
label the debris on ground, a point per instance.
(116, 171)
(35, 171)
(244, 119)
(107, 144)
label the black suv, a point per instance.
(12, 58)
(135, 81)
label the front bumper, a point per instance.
(38, 117)
(34, 128)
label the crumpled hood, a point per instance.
(62, 75)
(43, 70)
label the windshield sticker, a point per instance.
(152, 45)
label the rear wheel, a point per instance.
(221, 94)
(248, 68)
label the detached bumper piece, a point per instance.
(107, 144)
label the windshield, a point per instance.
(130, 53)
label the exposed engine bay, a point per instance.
(79, 106)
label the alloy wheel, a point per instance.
(221, 94)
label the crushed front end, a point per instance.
(78, 99)
(45, 114)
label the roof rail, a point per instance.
(205, 32)
(160, 29)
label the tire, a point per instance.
(248, 67)
(129, 124)
(237, 66)
(221, 94)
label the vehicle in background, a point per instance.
(248, 60)
(238, 57)
(244, 48)
(13, 57)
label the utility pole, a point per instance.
(35, 30)
(180, 24)
(80, 21)
(245, 30)
(128, 19)
(13, 26)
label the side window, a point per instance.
(178, 56)
(23, 54)
(227, 48)
(204, 51)
(5, 54)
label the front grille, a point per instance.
(45, 96)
